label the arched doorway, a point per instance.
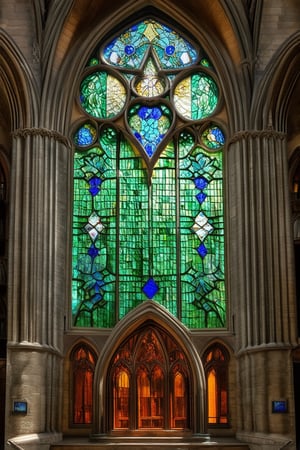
(150, 382)
(149, 377)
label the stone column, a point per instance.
(261, 282)
(38, 287)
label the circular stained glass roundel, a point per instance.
(213, 137)
(196, 96)
(85, 135)
(102, 95)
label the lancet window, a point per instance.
(148, 221)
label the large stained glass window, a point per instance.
(148, 190)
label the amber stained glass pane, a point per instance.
(83, 366)
(121, 399)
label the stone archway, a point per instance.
(147, 321)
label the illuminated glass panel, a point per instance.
(216, 368)
(149, 125)
(196, 97)
(148, 361)
(94, 231)
(202, 253)
(148, 200)
(85, 135)
(179, 399)
(150, 84)
(129, 48)
(133, 226)
(102, 95)
(83, 367)
(121, 398)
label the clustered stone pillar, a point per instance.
(38, 270)
(261, 283)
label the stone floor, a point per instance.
(149, 444)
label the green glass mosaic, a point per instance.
(196, 97)
(202, 251)
(148, 221)
(102, 95)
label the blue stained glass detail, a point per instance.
(202, 250)
(213, 137)
(93, 251)
(129, 49)
(149, 125)
(149, 113)
(150, 288)
(218, 135)
(201, 197)
(85, 135)
(170, 49)
(201, 182)
(95, 183)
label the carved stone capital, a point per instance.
(268, 133)
(43, 132)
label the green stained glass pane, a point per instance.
(196, 96)
(186, 143)
(133, 228)
(102, 95)
(205, 62)
(148, 218)
(94, 239)
(163, 230)
(93, 62)
(202, 241)
(129, 48)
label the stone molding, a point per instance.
(33, 347)
(43, 132)
(272, 346)
(268, 133)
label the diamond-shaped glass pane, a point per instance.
(150, 288)
(94, 226)
(201, 226)
(202, 250)
(201, 197)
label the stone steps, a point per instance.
(148, 444)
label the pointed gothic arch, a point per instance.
(149, 313)
(215, 361)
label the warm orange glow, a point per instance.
(83, 375)
(150, 383)
(150, 398)
(179, 402)
(121, 400)
(212, 397)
